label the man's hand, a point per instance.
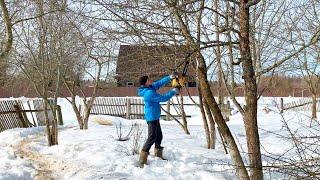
(174, 75)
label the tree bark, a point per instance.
(314, 106)
(184, 117)
(225, 131)
(8, 23)
(250, 118)
(204, 119)
(212, 125)
(207, 94)
(218, 55)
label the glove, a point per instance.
(176, 90)
(174, 75)
(178, 83)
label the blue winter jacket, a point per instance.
(152, 99)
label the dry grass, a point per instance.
(102, 121)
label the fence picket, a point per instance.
(4, 122)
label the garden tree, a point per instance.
(254, 58)
(9, 23)
(94, 52)
(308, 65)
(74, 86)
(250, 86)
(39, 55)
(308, 60)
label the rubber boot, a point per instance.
(158, 153)
(143, 158)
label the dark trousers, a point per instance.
(154, 136)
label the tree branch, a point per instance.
(234, 1)
(35, 17)
(315, 38)
(252, 3)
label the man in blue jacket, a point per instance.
(152, 111)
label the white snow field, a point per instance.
(96, 154)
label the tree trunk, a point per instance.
(86, 119)
(314, 106)
(218, 55)
(48, 130)
(250, 118)
(184, 117)
(207, 94)
(8, 23)
(225, 131)
(212, 126)
(76, 111)
(86, 113)
(204, 119)
(230, 50)
(51, 127)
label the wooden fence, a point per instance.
(130, 108)
(15, 114)
(9, 118)
(40, 116)
(304, 104)
(133, 108)
(126, 107)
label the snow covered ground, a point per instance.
(96, 154)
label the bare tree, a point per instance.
(308, 60)
(39, 57)
(95, 54)
(308, 67)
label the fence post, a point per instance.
(281, 105)
(128, 109)
(229, 107)
(24, 115)
(22, 121)
(168, 111)
(59, 115)
(34, 122)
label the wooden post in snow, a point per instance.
(59, 115)
(281, 105)
(168, 111)
(128, 109)
(22, 121)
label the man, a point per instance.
(152, 110)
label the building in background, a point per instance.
(155, 61)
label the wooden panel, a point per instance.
(9, 120)
(38, 104)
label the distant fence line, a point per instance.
(15, 113)
(133, 108)
(304, 104)
(126, 107)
